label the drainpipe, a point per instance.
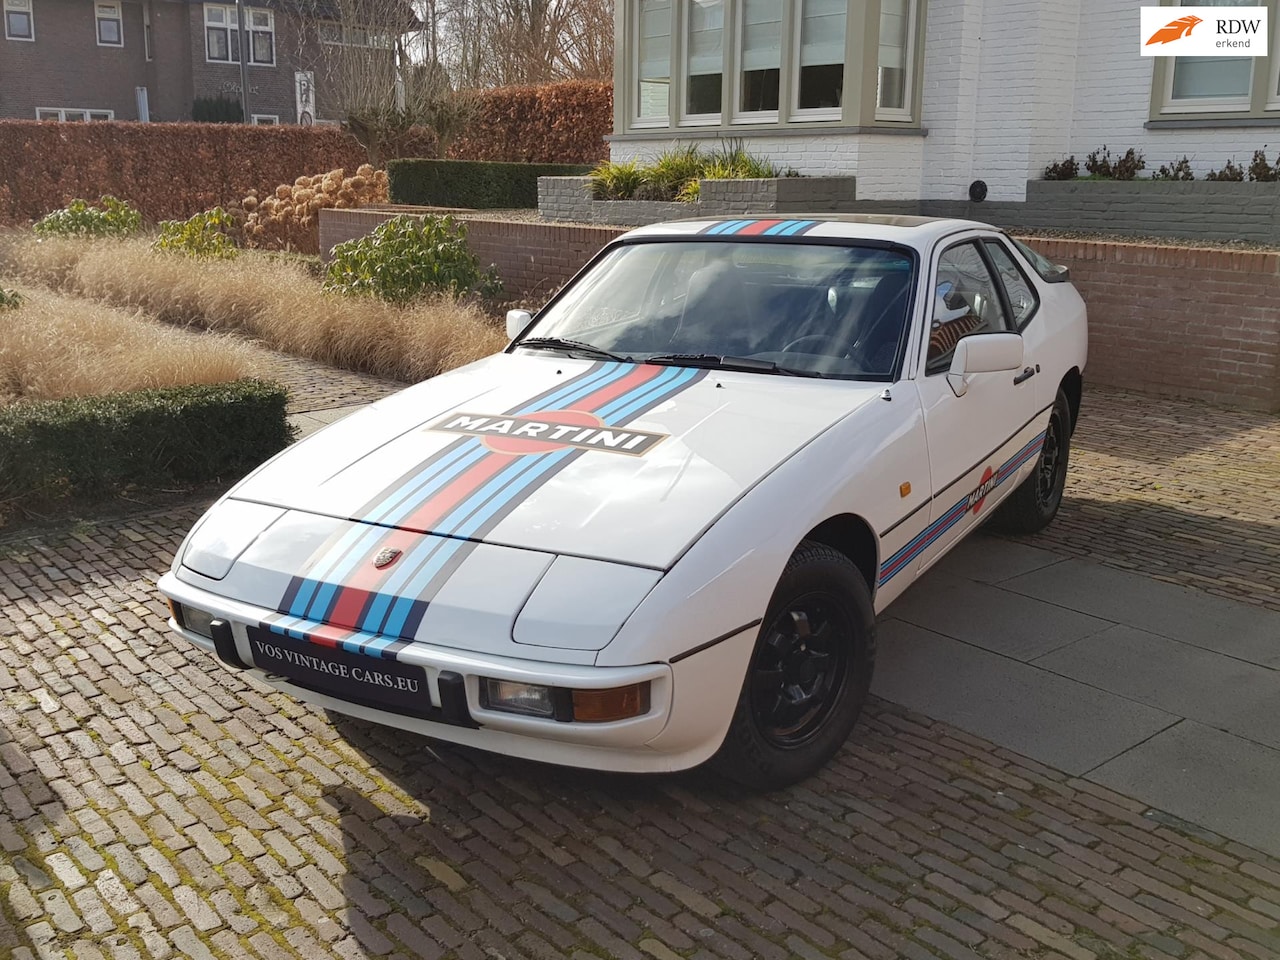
(244, 63)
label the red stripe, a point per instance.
(760, 226)
(367, 579)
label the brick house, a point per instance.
(91, 59)
(919, 98)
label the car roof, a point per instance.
(913, 231)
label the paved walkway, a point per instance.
(153, 804)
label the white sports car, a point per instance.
(657, 528)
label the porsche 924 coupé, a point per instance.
(657, 528)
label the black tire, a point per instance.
(809, 673)
(1035, 503)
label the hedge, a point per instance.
(555, 123)
(473, 184)
(89, 446)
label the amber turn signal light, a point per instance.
(615, 703)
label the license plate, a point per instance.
(369, 681)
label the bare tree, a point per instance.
(377, 67)
(513, 42)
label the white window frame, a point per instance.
(739, 36)
(117, 16)
(812, 114)
(87, 115)
(231, 24)
(637, 121)
(265, 119)
(686, 44)
(1206, 104)
(903, 114)
(20, 6)
(1273, 92)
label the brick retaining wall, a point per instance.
(1177, 321)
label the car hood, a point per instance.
(626, 463)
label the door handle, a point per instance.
(1026, 374)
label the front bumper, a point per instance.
(646, 743)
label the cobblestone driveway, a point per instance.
(153, 804)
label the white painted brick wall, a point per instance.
(1009, 86)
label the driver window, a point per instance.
(965, 302)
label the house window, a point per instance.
(704, 62)
(348, 35)
(222, 35)
(265, 120)
(110, 24)
(820, 91)
(894, 69)
(653, 61)
(1206, 83)
(18, 24)
(760, 59)
(71, 115)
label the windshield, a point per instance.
(838, 311)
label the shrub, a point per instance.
(79, 218)
(288, 218)
(1066, 169)
(1126, 167)
(10, 299)
(216, 110)
(478, 185)
(54, 449)
(407, 257)
(206, 236)
(1261, 170)
(616, 180)
(1177, 171)
(554, 123)
(1229, 172)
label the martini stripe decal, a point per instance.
(756, 227)
(460, 495)
(902, 559)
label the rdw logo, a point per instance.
(1175, 30)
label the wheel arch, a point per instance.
(1073, 386)
(852, 536)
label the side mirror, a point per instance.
(983, 353)
(517, 320)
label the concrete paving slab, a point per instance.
(988, 558)
(313, 420)
(1055, 720)
(1226, 626)
(1223, 782)
(1214, 689)
(986, 616)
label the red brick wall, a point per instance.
(1191, 322)
(1177, 321)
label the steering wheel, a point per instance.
(841, 348)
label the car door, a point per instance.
(980, 443)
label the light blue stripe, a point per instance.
(796, 227)
(340, 562)
(778, 228)
(729, 227)
(501, 490)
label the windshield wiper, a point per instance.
(713, 361)
(572, 346)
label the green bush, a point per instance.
(88, 446)
(677, 173)
(205, 236)
(472, 184)
(79, 218)
(406, 257)
(9, 299)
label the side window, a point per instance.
(1022, 295)
(966, 301)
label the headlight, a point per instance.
(197, 621)
(564, 704)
